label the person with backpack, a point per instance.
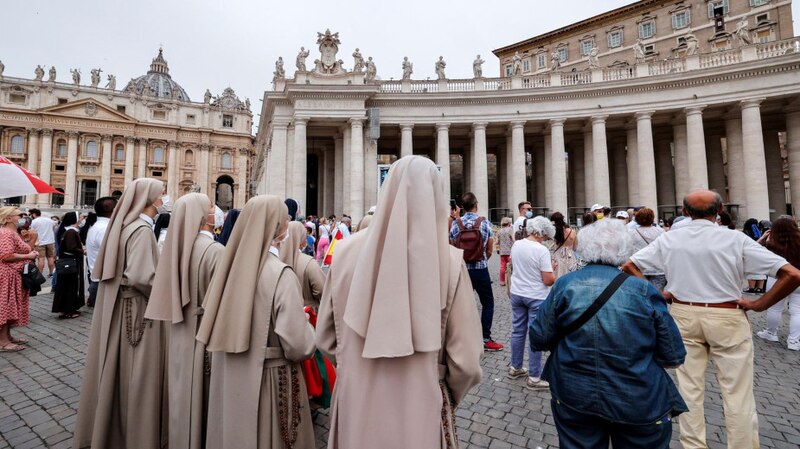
(525, 214)
(473, 234)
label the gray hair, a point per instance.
(605, 242)
(541, 227)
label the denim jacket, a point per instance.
(613, 366)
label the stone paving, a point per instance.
(39, 389)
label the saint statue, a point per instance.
(112, 82)
(2, 68)
(39, 72)
(691, 44)
(301, 59)
(638, 51)
(146, 90)
(439, 67)
(96, 77)
(477, 67)
(279, 72)
(76, 76)
(358, 61)
(372, 71)
(52, 78)
(247, 104)
(593, 62)
(555, 61)
(408, 68)
(516, 64)
(207, 97)
(742, 34)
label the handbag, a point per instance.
(319, 372)
(66, 266)
(595, 307)
(32, 278)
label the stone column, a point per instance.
(696, 147)
(129, 149)
(633, 168)
(45, 163)
(330, 187)
(647, 162)
(443, 154)
(716, 167)
(775, 185)
(480, 183)
(587, 174)
(755, 165)
(70, 190)
(105, 166)
(577, 172)
(517, 161)
(290, 158)
(793, 150)
(142, 169)
(736, 180)
(503, 170)
(467, 166)
(558, 161)
(406, 139)
(681, 162)
(357, 169)
(277, 157)
(300, 164)
(203, 167)
(33, 159)
(371, 171)
(540, 169)
(338, 199)
(665, 173)
(241, 198)
(346, 168)
(548, 171)
(599, 163)
(620, 176)
(173, 170)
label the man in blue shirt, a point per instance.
(478, 271)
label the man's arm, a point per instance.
(631, 268)
(489, 248)
(787, 281)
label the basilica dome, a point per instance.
(157, 82)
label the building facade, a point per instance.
(726, 120)
(90, 141)
(650, 31)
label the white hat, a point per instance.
(622, 214)
(596, 207)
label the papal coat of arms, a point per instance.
(91, 109)
(328, 48)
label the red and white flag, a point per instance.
(16, 181)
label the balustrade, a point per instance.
(720, 58)
(778, 48)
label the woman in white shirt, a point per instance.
(530, 285)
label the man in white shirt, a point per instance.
(103, 207)
(705, 268)
(525, 212)
(47, 239)
(344, 226)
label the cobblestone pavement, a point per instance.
(39, 389)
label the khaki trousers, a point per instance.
(725, 335)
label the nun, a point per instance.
(310, 275)
(69, 296)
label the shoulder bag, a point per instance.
(66, 265)
(596, 305)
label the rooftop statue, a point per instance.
(477, 67)
(439, 67)
(39, 72)
(358, 61)
(301, 59)
(408, 68)
(372, 71)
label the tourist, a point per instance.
(783, 239)
(310, 275)
(505, 239)
(588, 218)
(160, 230)
(186, 267)
(622, 216)
(725, 219)
(87, 221)
(525, 213)
(607, 369)
(14, 254)
(477, 247)
(103, 207)
(630, 222)
(598, 211)
(310, 242)
(121, 398)
(324, 238)
(258, 335)
(344, 226)
(292, 207)
(227, 226)
(644, 235)
(680, 222)
(44, 228)
(397, 305)
(28, 235)
(705, 268)
(563, 251)
(68, 295)
(755, 281)
(530, 285)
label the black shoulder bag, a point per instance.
(596, 305)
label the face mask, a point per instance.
(82, 223)
(600, 215)
(218, 221)
(21, 222)
(528, 214)
(164, 207)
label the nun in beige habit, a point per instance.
(256, 330)
(122, 402)
(185, 270)
(404, 333)
(311, 276)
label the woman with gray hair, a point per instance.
(530, 285)
(611, 339)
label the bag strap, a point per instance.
(461, 227)
(596, 305)
(640, 235)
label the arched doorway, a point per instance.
(224, 192)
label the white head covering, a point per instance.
(395, 301)
(290, 248)
(171, 285)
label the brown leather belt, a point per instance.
(721, 305)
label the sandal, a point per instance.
(72, 315)
(11, 347)
(19, 341)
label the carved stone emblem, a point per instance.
(328, 47)
(91, 109)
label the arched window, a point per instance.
(61, 148)
(158, 155)
(56, 199)
(17, 145)
(227, 162)
(119, 153)
(91, 149)
(188, 157)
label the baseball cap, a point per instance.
(596, 207)
(622, 214)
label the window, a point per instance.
(615, 39)
(227, 121)
(541, 61)
(61, 149)
(157, 174)
(763, 36)
(758, 2)
(649, 49)
(508, 70)
(62, 101)
(682, 19)
(586, 46)
(190, 119)
(189, 157)
(59, 168)
(226, 163)
(158, 155)
(721, 5)
(117, 171)
(159, 115)
(647, 29)
(761, 18)
(119, 153)
(58, 200)
(121, 108)
(16, 98)
(91, 149)
(563, 54)
(17, 145)
(526, 65)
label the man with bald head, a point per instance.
(705, 266)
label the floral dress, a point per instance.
(13, 298)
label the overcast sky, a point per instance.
(216, 44)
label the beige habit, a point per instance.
(311, 276)
(404, 333)
(123, 393)
(185, 270)
(256, 330)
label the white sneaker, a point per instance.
(514, 373)
(768, 335)
(794, 345)
(534, 383)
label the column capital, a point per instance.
(479, 125)
(172, 144)
(47, 132)
(517, 124)
(644, 115)
(442, 126)
(557, 122)
(73, 134)
(300, 120)
(205, 147)
(406, 126)
(598, 119)
(106, 138)
(282, 122)
(130, 140)
(244, 151)
(142, 140)
(34, 132)
(694, 110)
(356, 122)
(751, 103)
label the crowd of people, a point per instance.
(221, 330)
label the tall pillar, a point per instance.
(203, 167)
(243, 156)
(338, 152)
(33, 159)
(620, 176)
(716, 166)
(517, 160)
(105, 166)
(539, 178)
(406, 139)
(577, 172)
(129, 149)
(793, 150)
(70, 190)
(588, 170)
(46, 162)
(548, 171)
(633, 167)
(300, 164)
(357, 169)
(681, 162)
(480, 183)
(736, 176)
(558, 161)
(599, 163)
(665, 172)
(290, 161)
(173, 170)
(330, 179)
(277, 158)
(443, 154)
(755, 165)
(696, 148)
(142, 169)
(503, 170)
(647, 162)
(775, 184)
(346, 179)
(371, 171)
(466, 168)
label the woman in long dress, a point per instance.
(69, 291)
(311, 276)
(258, 335)
(14, 254)
(404, 332)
